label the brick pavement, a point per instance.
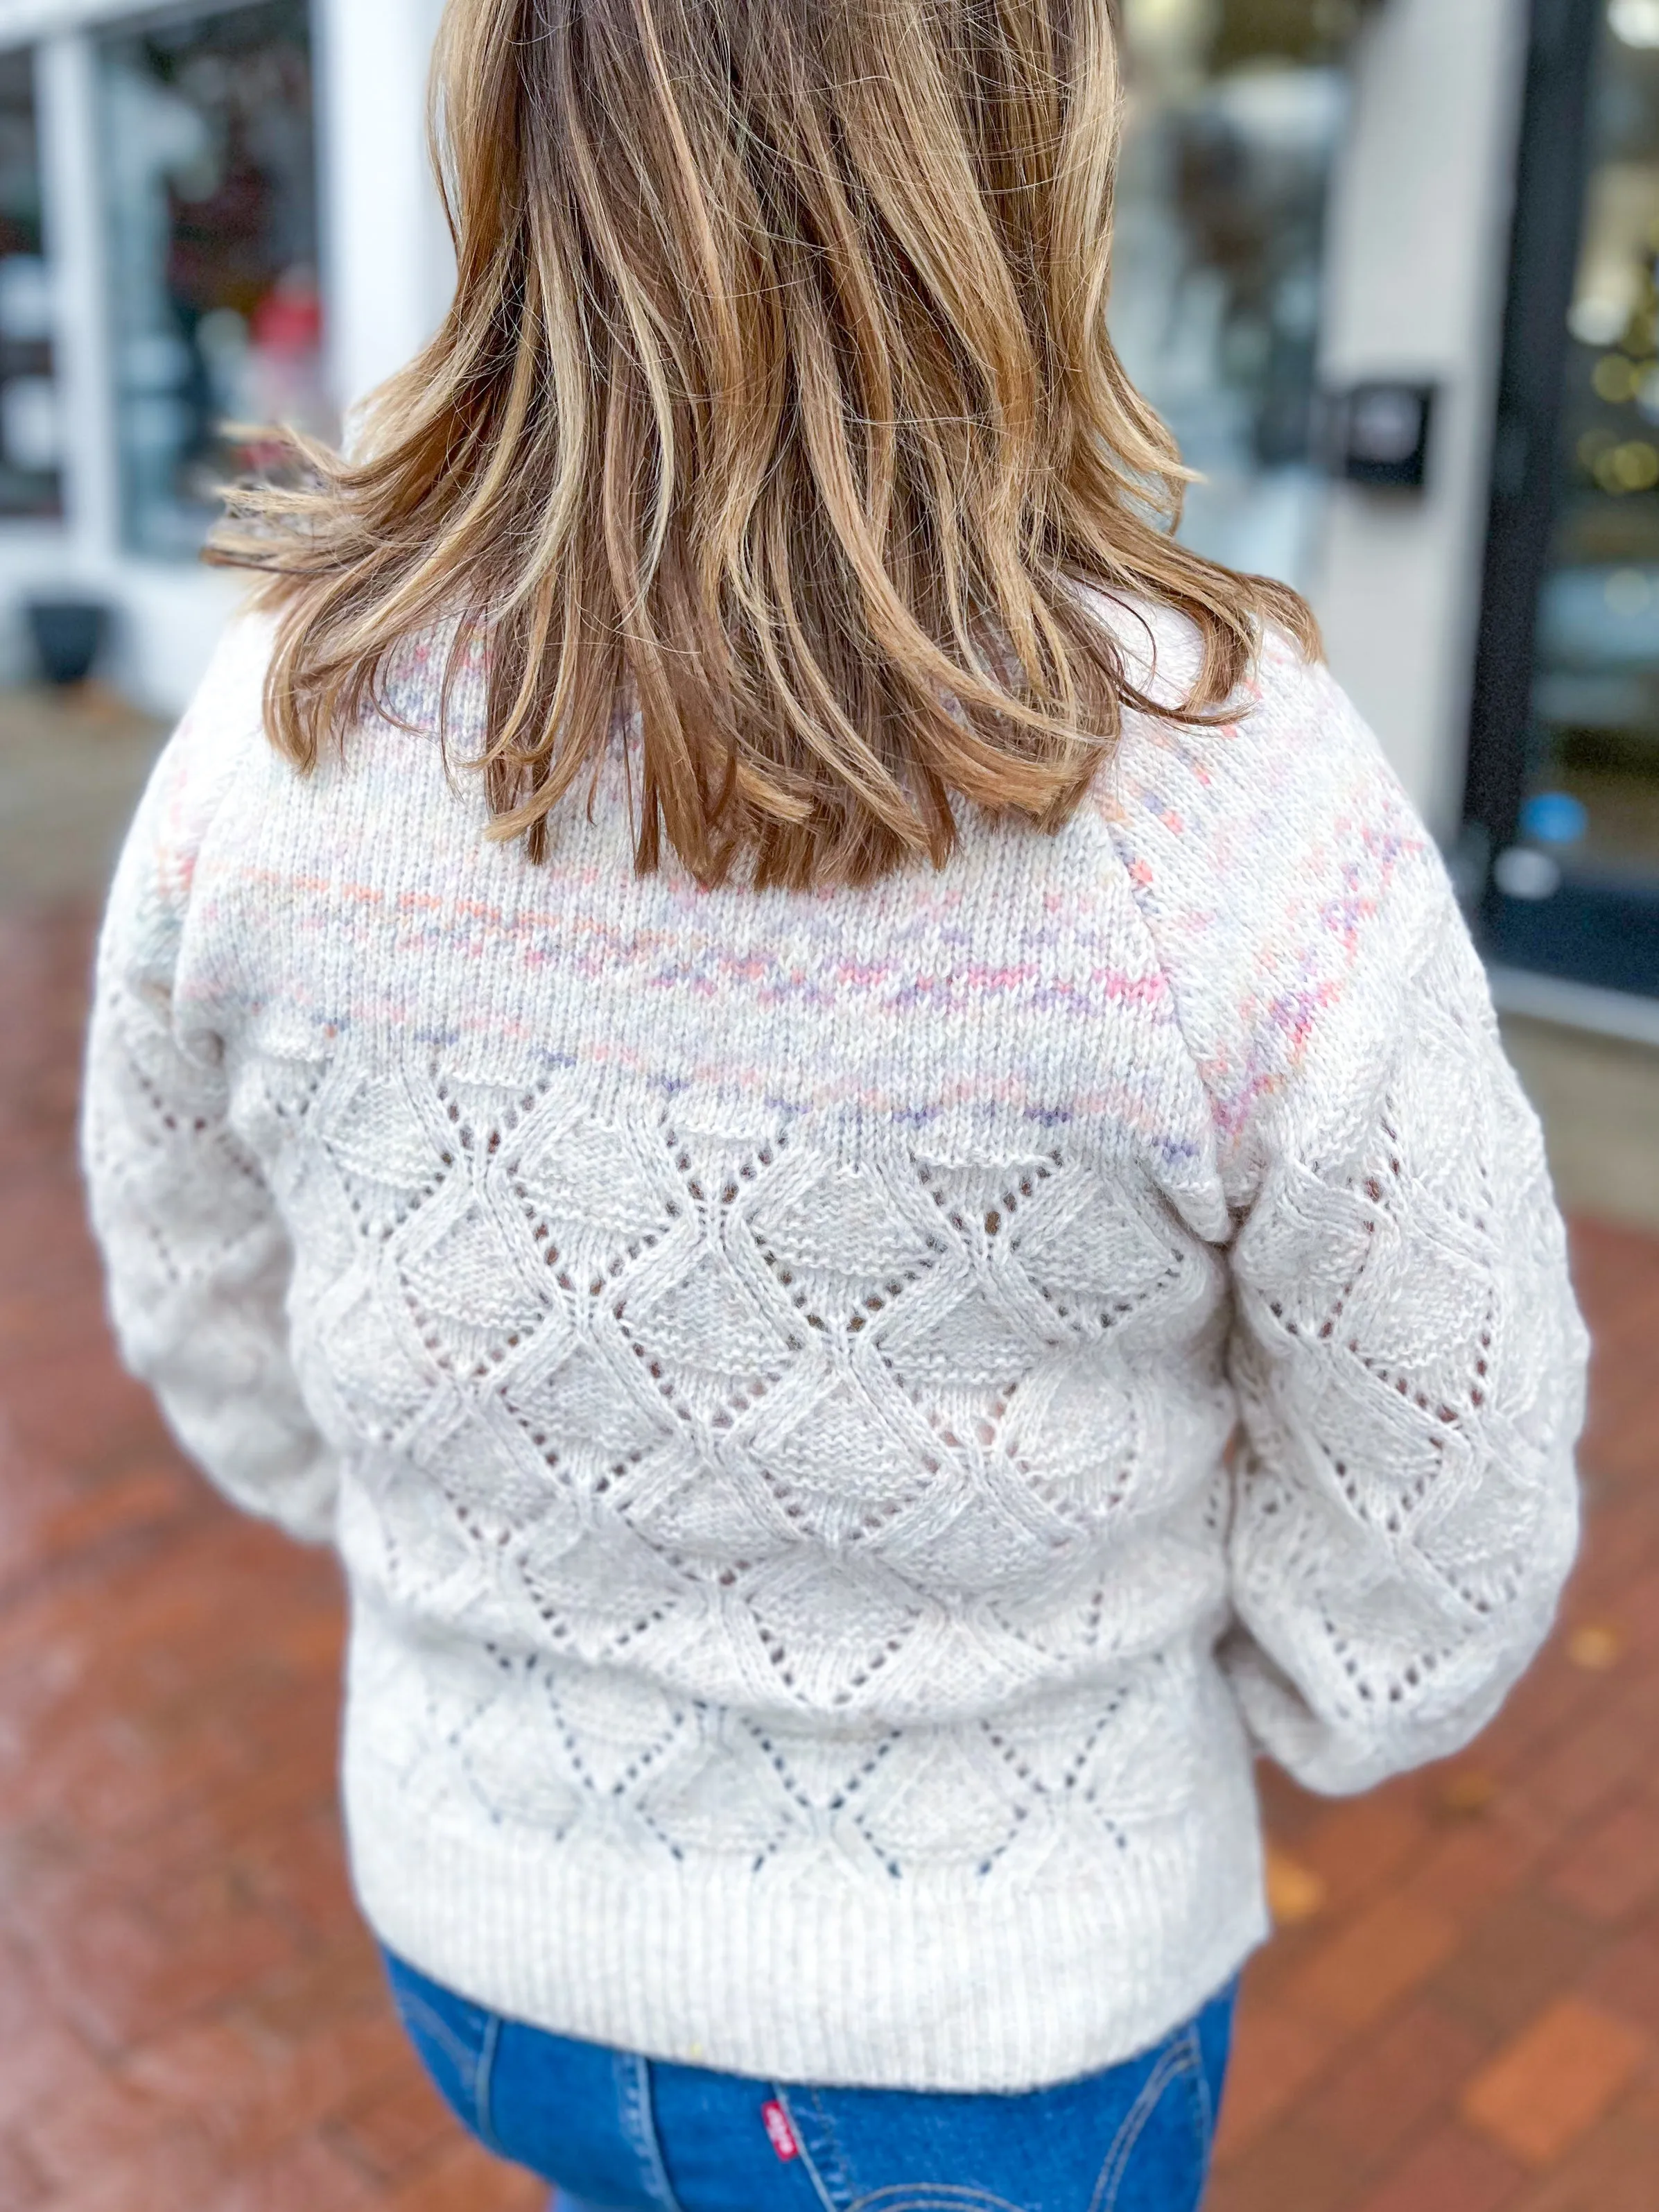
(1461, 2012)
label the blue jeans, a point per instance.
(638, 2135)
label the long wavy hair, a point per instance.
(774, 415)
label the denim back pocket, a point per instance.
(1135, 2138)
(1159, 2160)
(456, 2041)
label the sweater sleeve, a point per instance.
(1406, 1352)
(196, 1257)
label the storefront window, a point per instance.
(211, 204)
(1595, 770)
(1236, 110)
(29, 431)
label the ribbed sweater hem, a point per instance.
(707, 1963)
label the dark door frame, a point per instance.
(1605, 935)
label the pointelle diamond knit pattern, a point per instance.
(849, 1418)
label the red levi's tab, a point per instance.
(779, 2133)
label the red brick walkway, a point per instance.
(1461, 2015)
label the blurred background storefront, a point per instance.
(1386, 266)
(212, 214)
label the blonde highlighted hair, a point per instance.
(776, 409)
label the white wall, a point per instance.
(388, 267)
(1418, 255)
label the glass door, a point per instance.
(1564, 791)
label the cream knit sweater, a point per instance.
(768, 1362)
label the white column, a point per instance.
(1418, 262)
(387, 266)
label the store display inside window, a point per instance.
(210, 200)
(30, 479)
(1236, 111)
(1593, 771)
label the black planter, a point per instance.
(67, 635)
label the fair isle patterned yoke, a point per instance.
(850, 1418)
